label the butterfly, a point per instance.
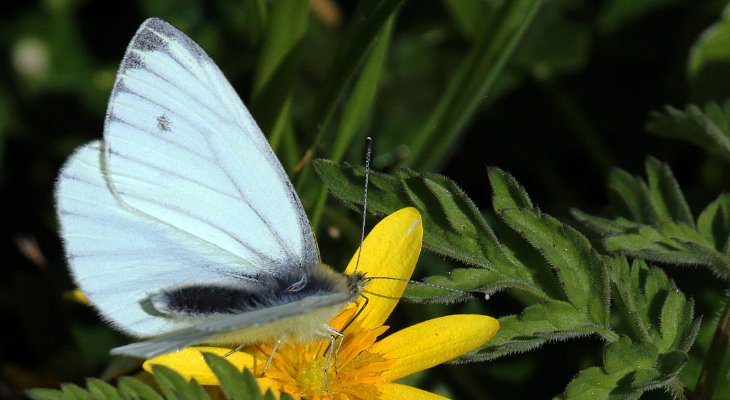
(180, 224)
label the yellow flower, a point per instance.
(365, 367)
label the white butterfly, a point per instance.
(181, 224)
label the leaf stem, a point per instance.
(715, 355)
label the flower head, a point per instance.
(363, 366)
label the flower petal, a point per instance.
(391, 249)
(396, 391)
(430, 343)
(189, 363)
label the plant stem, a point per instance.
(715, 356)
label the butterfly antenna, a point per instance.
(368, 152)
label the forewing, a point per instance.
(203, 332)
(182, 149)
(119, 258)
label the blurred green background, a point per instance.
(555, 92)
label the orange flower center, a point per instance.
(298, 369)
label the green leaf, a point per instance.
(671, 243)
(604, 226)
(371, 17)
(594, 383)
(462, 231)
(714, 223)
(666, 198)
(44, 394)
(101, 390)
(133, 389)
(471, 280)
(358, 108)
(709, 129)
(468, 14)
(175, 387)
(617, 14)
(74, 392)
(676, 320)
(347, 183)
(454, 227)
(471, 83)
(661, 227)
(630, 197)
(508, 193)
(579, 268)
(709, 61)
(277, 63)
(627, 289)
(624, 355)
(538, 324)
(666, 371)
(255, 13)
(236, 384)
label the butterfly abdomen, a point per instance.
(201, 299)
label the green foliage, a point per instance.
(654, 222)
(708, 61)
(567, 282)
(236, 385)
(708, 127)
(496, 41)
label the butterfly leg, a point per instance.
(333, 334)
(271, 357)
(240, 346)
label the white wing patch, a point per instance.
(118, 258)
(182, 149)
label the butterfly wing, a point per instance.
(182, 149)
(209, 330)
(118, 258)
(183, 189)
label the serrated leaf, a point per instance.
(627, 295)
(552, 320)
(629, 195)
(645, 378)
(666, 198)
(471, 280)
(236, 384)
(507, 192)
(676, 320)
(462, 231)
(579, 268)
(605, 226)
(133, 389)
(71, 391)
(714, 223)
(346, 182)
(670, 243)
(101, 390)
(624, 355)
(708, 129)
(594, 383)
(453, 226)
(174, 386)
(666, 371)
